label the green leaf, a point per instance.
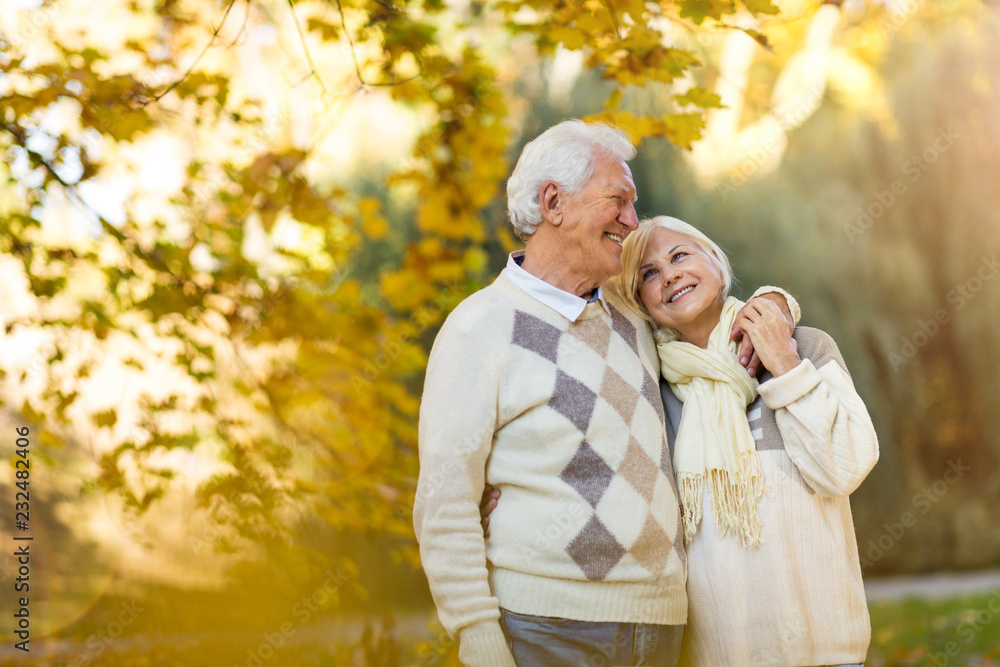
(684, 129)
(700, 97)
(759, 37)
(699, 10)
(328, 31)
(614, 100)
(106, 418)
(761, 6)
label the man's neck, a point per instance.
(558, 273)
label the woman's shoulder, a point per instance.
(818, 346)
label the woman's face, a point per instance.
(680, 285)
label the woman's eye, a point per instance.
(679, 255)
(648, 274)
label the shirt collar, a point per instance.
(568, 305)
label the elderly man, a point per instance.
(541, 385)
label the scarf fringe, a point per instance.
(734, 500)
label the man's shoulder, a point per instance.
(481, 311)
(619, 310)
(818, 346)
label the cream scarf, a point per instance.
(714, 439)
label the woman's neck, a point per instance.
(698, 331)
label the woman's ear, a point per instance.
(550, 200)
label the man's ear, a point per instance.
(551, 200)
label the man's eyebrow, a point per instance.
(625, 189)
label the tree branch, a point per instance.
(614, 19)
(129, 245)
(354, 55)
(190, 69)
(305, 48)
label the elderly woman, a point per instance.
(774, 576)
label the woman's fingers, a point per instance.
(488, 503)
(746, 353)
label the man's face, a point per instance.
(597, 219)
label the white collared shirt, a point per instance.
(566, 304)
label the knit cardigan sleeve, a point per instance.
(793, 305)
(827, 431)
(458, 416)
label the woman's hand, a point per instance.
(767, 328)
(491, 497)
(747, 355)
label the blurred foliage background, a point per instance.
(230, 230)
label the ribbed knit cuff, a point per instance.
(790, 387)
(484, 645)
(793, 305)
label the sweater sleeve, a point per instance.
(793, 305)
(458, 416)
(827, 431)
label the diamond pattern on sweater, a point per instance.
(588, 474)
(573, 400)
(595, 550)
(665, 464)
(594, 333)
(624, 328)
(652, 547)
(536, 335)
(651, 392)
(620, 479)
(619, 393)
(639, 470)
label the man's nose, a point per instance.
(629, 218)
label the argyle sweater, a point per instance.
(797, 599)
(566, 419)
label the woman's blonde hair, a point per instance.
(627, 284)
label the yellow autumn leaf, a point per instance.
(376, 227)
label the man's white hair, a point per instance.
(564, 153)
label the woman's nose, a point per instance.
(670, 275)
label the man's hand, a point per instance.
(749, 358)
(488, 503)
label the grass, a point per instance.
(938, 633)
